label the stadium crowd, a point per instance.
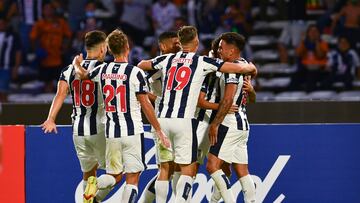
(318, 39)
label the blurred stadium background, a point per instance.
(292, 87)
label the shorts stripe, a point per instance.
(222, 131)
(194, 124)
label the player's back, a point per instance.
(120, 83)
(88, 107)
(238, 119)
(184, 73)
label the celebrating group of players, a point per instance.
(200, 110)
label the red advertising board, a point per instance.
(12, 164)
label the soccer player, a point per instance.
(168, 43)
(228, 133)
(208, 104)
(184, 73)
(88, 108)
(124, 90)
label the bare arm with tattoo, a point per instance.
(224, 106)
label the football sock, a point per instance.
(130, 194)
(223, 184)
(183, 188)
(248, 188)
(162, 189)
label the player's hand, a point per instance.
(233, 109)
(247, 86)
(49, 126)
(163, 139)
(213, 132)
(78, 60)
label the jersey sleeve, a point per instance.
(140, 84)
(231, 78)
(205, 84)
(159, 62)
(153, 75)
(65, 73)
(95, 73)
(212, 64)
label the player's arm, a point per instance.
(80, 71)
(149, 112)
(224, 106)
(247, 86)
(243, 68)
(153, 64)
(62, 90)
(205, 104)
(146, 65)
(152, 97)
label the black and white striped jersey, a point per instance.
(120, 83)
(183, 73)
(88, 107)
(211, 89)
(154, 78)
(239, 118)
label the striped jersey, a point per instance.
(154, 78)
(211, 89)
(88, 106)
(9, 45)
(239, 118)
(120, 83)
(183, 73)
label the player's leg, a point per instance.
(162, 182)
(134, 164)
(88, 162)
(166, 167)
(131, 188)
(185, 138)
(240, 164)
(216, 195)
(247, 183)
(175, 178)
(114, 168)
(222, 152)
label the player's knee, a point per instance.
(241, 170)
(188, 169)
(92, 172)
(132, 178)
(211, 167)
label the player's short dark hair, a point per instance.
(94, 38)
(235, 39)
(117, 41)
(187, 34)
(215, 46)
(167, 35)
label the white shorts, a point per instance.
(182, 135)
(231, 145)
(90, 151)
(162, 154)
(203, 141)
(125, 154)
